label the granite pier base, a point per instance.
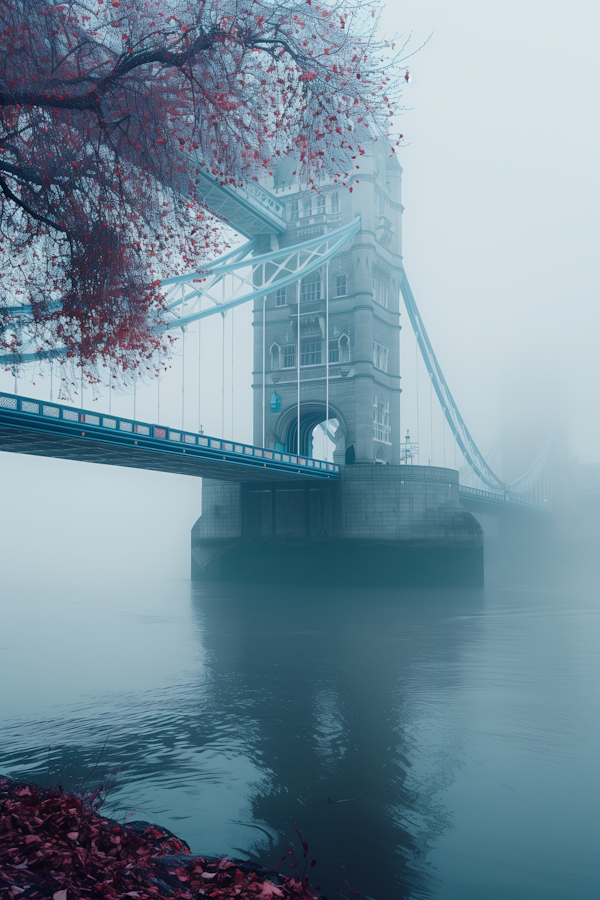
(379, 526)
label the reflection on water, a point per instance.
(429, 744)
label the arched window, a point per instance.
(339, 349)
(275, 357)
(344, 348)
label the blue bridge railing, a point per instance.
(48, 416)
(505, 499)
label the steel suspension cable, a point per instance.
(232, 362)
(200, 371)
(431, 420)
(182, 363)
(223, 375)
(327, 349)
(400, 393)
(264, 359)
(298, 369)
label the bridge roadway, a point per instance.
(42, 428)
(504, 506)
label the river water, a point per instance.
(429, 744)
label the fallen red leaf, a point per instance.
(38, 831)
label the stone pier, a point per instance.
(380, 526)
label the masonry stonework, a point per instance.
(385, 526)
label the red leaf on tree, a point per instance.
(87, 162)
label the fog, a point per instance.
(500, 189)
(228, 707)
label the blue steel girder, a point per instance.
(251, 210)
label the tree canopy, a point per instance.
(107, 110)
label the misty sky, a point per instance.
(500, 190)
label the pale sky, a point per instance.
(501, 189)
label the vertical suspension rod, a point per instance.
(223, 361)
(431, 415)
(400, 394)
(232, 361)
(264, 359)
(327, 347)
(182, 362)
(417, 393)
(199, 366)
(298, 369)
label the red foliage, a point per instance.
(52, 844)
(107, 112)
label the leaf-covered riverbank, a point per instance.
(56, 845)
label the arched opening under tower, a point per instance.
(323, 440)
(316, 437)
(320, 436)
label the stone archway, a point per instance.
(312, 413)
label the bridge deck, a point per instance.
(40, 428)
(504, 506)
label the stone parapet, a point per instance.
(404, 503)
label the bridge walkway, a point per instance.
(41, 428)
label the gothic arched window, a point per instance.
(275, 356)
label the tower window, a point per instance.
(380, 293)
(280, 297)
(289, 356)
(307, 206)
(341, 285)
(335, 202)
(311, 287)
(381, 419)
(384, 209)
(334, 352)
(321, 198)
(294, 209)
(310, 352)
(380, 356)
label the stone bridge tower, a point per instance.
(360, 350)
(377, 525)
